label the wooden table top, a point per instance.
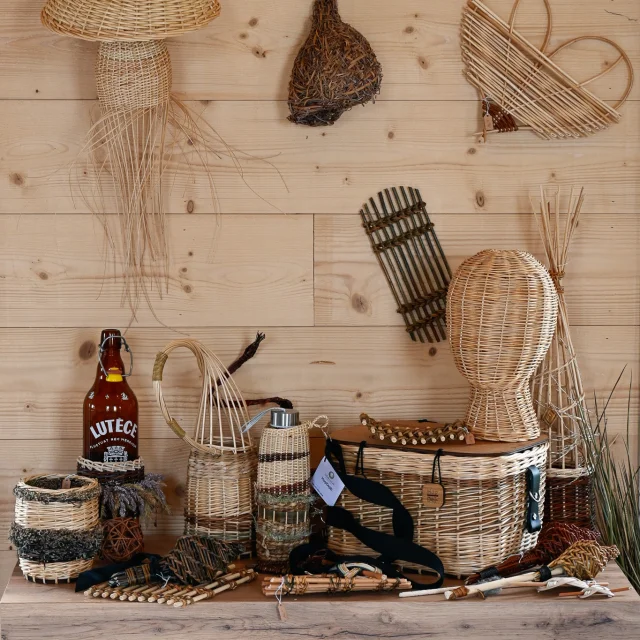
(48, 612)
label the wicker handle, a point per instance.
(622, 57)
(547, 35)
(158, 369)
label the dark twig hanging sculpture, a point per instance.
(334, 70)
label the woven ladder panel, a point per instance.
(131, 20)
(482, 520)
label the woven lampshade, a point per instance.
(501, 315)
(109, 20)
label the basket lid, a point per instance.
(109, 20)
(482, 448)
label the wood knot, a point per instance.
(433, 351)
(190, 206)
(259, 53)
(253, 22)
(183, 270)
(471, 151)
(409, 29)
(359, 303)
(187, 288)
(358, 395)
(391, 135)
(480, 199)
(17, 179)
(243, 36)
(423, 62)
(87, 350)
(43, 275)
(190, 254)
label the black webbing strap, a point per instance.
(391, 548)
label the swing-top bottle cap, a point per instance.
(284, 418)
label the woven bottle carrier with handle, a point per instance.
(222, 464)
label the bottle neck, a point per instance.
(325, 9)
(113, 365)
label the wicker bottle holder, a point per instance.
(501, 316)
(56, 531)
(283, 494)
(482, 519)
(222, 464)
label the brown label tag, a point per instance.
(66, 483)
(469, 439)
(282, 612)
(488, 122)
(432, 495)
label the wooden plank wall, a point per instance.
(288, 256)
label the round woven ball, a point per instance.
(133, 75)
(501, 315)
(109, 20)
(122, 539)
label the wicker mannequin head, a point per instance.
(501, 316)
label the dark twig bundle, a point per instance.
(334, 70)
(409, 253)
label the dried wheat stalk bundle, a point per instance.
(335, 70)
(557, 386)
(521, 87)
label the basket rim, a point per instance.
(87, 484)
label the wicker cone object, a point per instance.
(42, 505)
(481, 521)
(521, 87)
(221, 469)
(117, 20)
(335, 70)
(501, 316)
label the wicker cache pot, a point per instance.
(501, 316)
(56, 531)
(482, 520)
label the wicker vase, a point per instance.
(57, 530)
(501, 315)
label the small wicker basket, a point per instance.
(45, 509)
(482, 520)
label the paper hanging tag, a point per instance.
(488, 122)
(432, 495)
(327, 483)
(282, 612)
(66, 483)
(469, 438)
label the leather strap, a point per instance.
(533, 522)
(392, 548)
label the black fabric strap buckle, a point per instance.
(533, 522)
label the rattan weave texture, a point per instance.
(501, 316)
(109, 20)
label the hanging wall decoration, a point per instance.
(557, 387)
(222, 465)
(143, 127)
(335, 70)
(501, 316)
(521, 86)
(403, 240)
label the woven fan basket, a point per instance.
(482, 519)
(49, 507)
(108, 20)
(501, 316)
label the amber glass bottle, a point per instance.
(110, 411)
